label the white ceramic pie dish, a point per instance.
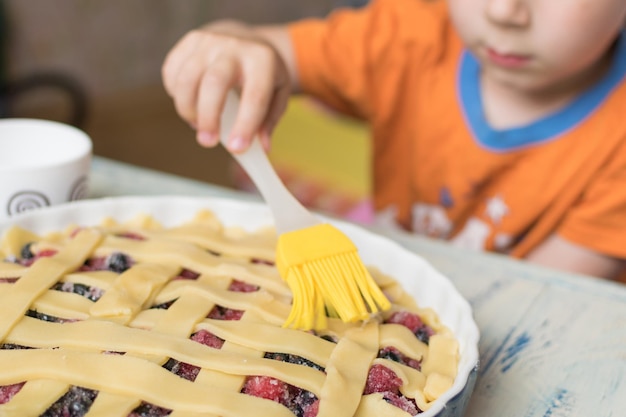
(420, 279)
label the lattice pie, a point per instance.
(135, 319)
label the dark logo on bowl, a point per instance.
(78, 190)
(26, 200)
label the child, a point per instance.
(497, 124)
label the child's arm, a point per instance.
(559, 253)
(208, 62)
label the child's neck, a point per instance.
(507, 107)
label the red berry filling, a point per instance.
(302, 403)
(208, 339)
(187, 274)
(384, 380)
(261, 261)
(241, 286)
(414, 323)
(131, 235)
(8, 391)
(187, 371)
(225, 313)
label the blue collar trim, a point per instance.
(544, 129)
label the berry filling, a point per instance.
(414, 323)
(302, 403)
(8, 391)
(75, 403)
(131, 235)
(149, 410)
(298, 360)
(187, 274)
(395, 355)
(47, 317)
(384, 380)
(27, 257)
(116, 262)
(90, 293)
(241, 286)
(185, 370)
(225, 313)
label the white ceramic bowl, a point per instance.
(42, 163)
(420, 279)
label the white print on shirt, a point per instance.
(386, 219)
(431, 220)
(502, 242)
(496, 209)
(473, 236)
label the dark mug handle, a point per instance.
(12, 90)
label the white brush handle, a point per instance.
(288, 213)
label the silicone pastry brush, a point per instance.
(319, 263)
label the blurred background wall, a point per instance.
(96, 63)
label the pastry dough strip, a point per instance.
(125, 375)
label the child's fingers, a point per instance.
(256, 97)
(176, 59)
(187, 90)
(216, 82)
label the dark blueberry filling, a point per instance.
(424, 333)
(116, 262)
(28, 257)
(149, 410)
(47, 317)
(75, 403)
(90, 293)
(9, 346)
(329, 338)
(298, 360)
(395, 355)
(164, 306)
(25, 252)
(182, 369)
(185, 370)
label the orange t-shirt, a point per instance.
(400, 65)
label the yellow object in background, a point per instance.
(323, 158)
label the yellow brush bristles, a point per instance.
(326, 276)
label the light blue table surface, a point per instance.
(552, 344)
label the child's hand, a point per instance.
(207, 63)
